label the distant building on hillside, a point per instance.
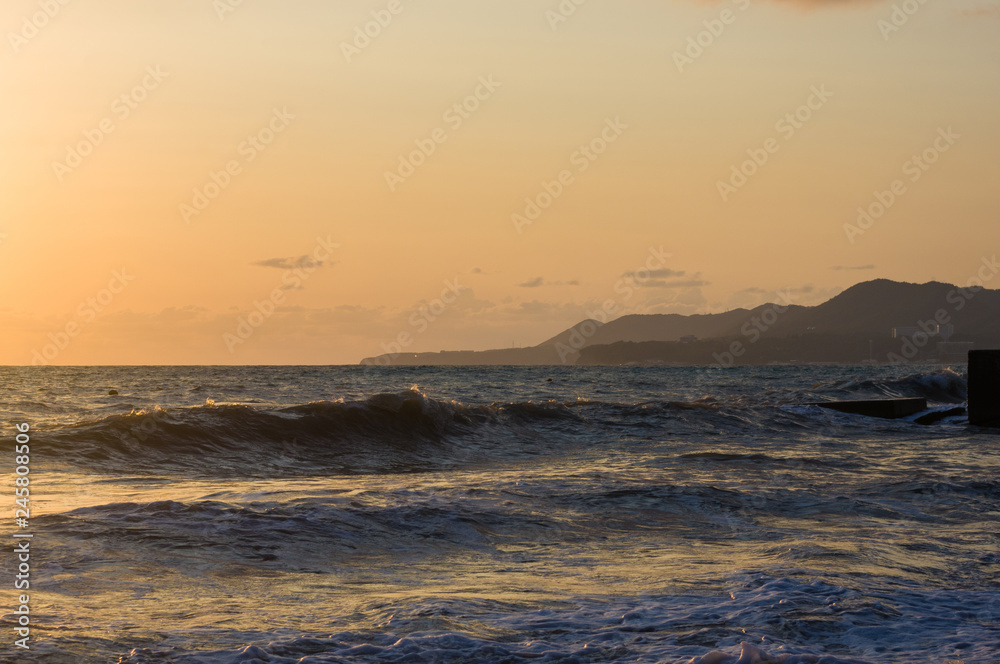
(943, 332)
(911, 331)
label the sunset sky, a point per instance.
(171, 167)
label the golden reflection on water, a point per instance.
(134, 584)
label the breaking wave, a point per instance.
(943, 386)
(409, 431)
(402, 432)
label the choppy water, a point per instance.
(507, 515)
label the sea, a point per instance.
(505, 515)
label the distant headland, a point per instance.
(876, 322)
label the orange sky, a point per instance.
(223, 182)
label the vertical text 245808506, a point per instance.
(22, 546)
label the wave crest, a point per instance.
(390, 432)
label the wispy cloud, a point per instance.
(983, 11)
(812, 4)
(292, 263)
(666, 278)
(538, 282)
(655, 274)
(676, 283)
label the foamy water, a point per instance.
(217, 515)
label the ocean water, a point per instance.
(210, 515)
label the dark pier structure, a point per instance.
(984, 388)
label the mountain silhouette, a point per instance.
(846, 328)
